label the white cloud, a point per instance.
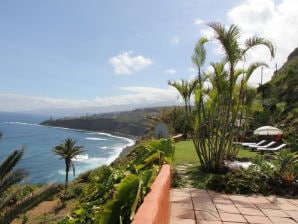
(125, 63)
(208, 33)
(277, 22)
(175, 40)
(170, 71)
(198, 21)
(137, 95)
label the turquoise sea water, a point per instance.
(22, 130)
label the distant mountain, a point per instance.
(80, 111)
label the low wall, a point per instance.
(155, 208)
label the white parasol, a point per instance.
(268, 130)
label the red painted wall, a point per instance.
(156, 206)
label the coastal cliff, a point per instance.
(107, 125)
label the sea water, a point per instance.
(23, 130)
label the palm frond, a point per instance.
(199, 56)
(252, 68)
(256, 41)
(13, 177)
(9, 163)
(27, 203)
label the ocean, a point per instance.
(23, 130)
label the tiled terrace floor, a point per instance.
(194, 206)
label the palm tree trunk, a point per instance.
(66, 174)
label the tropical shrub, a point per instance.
(276, 176)
(241, 181)
(286, 165)
(114, 193)
(220, 110)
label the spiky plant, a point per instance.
(10, 176)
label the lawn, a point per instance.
(185, 153)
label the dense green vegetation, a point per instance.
(113, 193)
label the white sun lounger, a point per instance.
(252, 143)
(264, 146)
(272, 149)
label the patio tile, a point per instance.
(244, 204)
(287, 206)
(182, 213)
(274, 213)
(230, 217)
(293, 201)
(258, 219)
(223, 201)
(234, 222)
(182, 221)
(199, 205)
(256, 199)
(181, 203)
(293, 214)
(180, 192)
(208, 222)
(238, 197)
(227, 208)
(250, 211)
(217, 195)
(277, 200)
(267, 206)
(199, 193)
(283, 220)
(210, 215)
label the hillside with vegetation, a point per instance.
(280, 99)
(127, 123)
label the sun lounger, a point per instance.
(264, 146)
(252, 143)
(272, 149)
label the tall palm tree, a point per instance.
(68, 150)
(10, 209)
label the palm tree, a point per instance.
(68, 150)
(186, 89)
(10, 209)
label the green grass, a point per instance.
(245, 152)
(185, 153)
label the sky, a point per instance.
(93, 55)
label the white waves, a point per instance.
(96, 139)
(20, 123)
